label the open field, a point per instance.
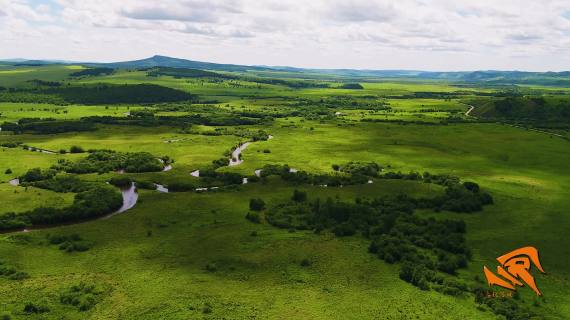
(188, 254)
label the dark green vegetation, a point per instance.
(92, 203)
(358, 197)
(102, 161)
(93, 72)
(541, 112)
(97, 94)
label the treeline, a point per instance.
(47, 126)
(253, 135)
(529, 108)
(92, 203)
(458, 197)
(97, 94)
(427, 248)
(295, 84)
(137, 118)
(102, 161)
(346, 102)
(150, 120)
(93, 72)
(186, 73)
(397, 235)
(119, 94)
(354, 86)
(46, 180)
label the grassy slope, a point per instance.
(164, 275)
(527, 172)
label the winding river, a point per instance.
(236, 154)
(130, 194)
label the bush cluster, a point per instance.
(102, 161)
(83, 296)
(430, 250)
(94, 202)
(70, 243)
(12, 272)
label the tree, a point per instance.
(76, 149)
(256, 204)
(299, 196)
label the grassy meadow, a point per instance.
(194, 255)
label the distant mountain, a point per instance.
(163, 61)
(491, 77)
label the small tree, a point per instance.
(8, 171)
(256, 204)
(253, 217)
(299, 196)
(76, 149)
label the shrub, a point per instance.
(253, 217)
(8, 171)
(181, 187)
(70, 243)
(121, 182)
(299, 196)
(76, 149)
(306, 262)
(35, 307)
(63, 184)
(256, 204)
(471, 186)
(37, 174)
(354, 86)
(10, 144)
(83, 296)
(207, 309)
(211, 267)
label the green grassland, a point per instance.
(189, 255)
(18, 76)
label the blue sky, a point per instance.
(366, 34)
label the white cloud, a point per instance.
(382, 34)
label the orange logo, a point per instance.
(515, 265)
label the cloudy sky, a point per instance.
(373, 34)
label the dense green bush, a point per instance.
(256, 204)
(353, 86)
(70, 243)
(299, 196)
(10, 144)
(506, 307)
(121, 182)
(48, 126)
(92, 203)
(37, 174)
(116, 94)
(12, 272)
(371, 169)
(83, 296)
(62, 184)
(253, 217)
(76, 149)
(181, 187)
(36, 307)
(102, 161)
(93, 72)
(426, 247)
